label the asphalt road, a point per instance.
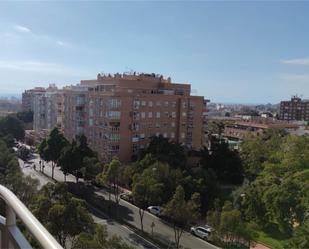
(161, 229)
(113, 227)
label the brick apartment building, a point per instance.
(294, 109)
(241, 129)
(120, 113)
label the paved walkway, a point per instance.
(260, 246)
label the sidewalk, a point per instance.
(260, 246)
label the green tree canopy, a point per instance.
(146, 191)
(180, 212)
(12, 126)
(166, 151)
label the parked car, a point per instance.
(156, 210)
(201, 232)
(208, 228)
(127, 197)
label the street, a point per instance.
(113, 227)
(161, 230)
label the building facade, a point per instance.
(28, 97)
(47, 107)
(242, 129)
(120, 113)
(294, 109)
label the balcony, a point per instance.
(11, 236)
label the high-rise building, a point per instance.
(294, 109)
(28, 97)
(47, 107)
(120, 113)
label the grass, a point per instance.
(235, 246)
(272, 236)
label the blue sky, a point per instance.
(245, 52)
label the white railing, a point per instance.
(11, 237)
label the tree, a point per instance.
(91, 168)
(63, 215)
(194, 206)
(42, 148)
(255, 151)
(25, 116)
(229, 226)
(68, 220)
(179, 212)
(55, 143)
(81, 151)
(225, 162)
(67, 160)
(146, 191)
(111, 175)
(77, 158)
(99, 240)
(300, 238)
(10, 125)
(166, 151)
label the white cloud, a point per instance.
(60, 43)
(34, 66)
(22, 29)
(64, 44)
(25, 34)
(300, 61)
(295, 78)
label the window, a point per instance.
(166, 114)
(173, 124)
(184, 114)
(173, 114)
(142, 136)
(135, 138)
(90, 122)
(166, 103)
(182, 135)
(157, 134)
(150, 125)
(114, 148)
(114, 114)
(157, 125)
(143, 103)
(136, 104)
(165, 134)
(90, 112)
(135, 126)
(150, 103)
(184, 104)
(158, 103)
(114, 137)
(173, 103)
(172, 135)
(143, 115)
(158, 114)
(135, 148)
(114, 103)
(149, 114)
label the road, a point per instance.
(161, 230)
(113, 227)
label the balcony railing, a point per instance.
(11, 236)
